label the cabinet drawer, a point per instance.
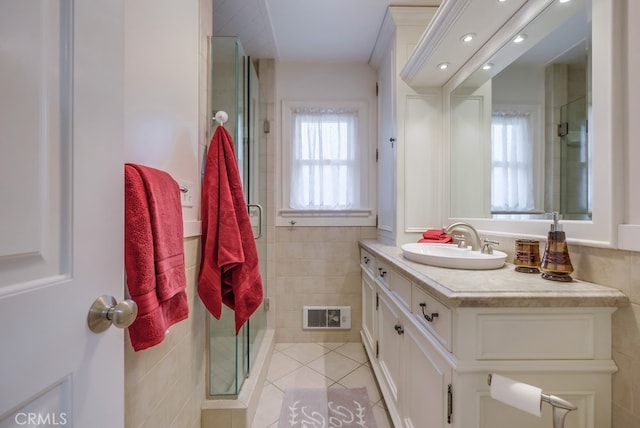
(435, 316)
(383, 272)
(368, 262)
(535, 336)
(401, 287)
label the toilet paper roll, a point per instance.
(522, 396)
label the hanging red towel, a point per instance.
(229, 270)
(154, 253)
(436, 236)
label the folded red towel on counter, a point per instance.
(436, 236)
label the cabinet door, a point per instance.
(390, 335)
(369, 311)
(386, 148)
(426, 380)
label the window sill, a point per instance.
(325, 218)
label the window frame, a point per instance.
(361, 216)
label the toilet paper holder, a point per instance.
(561, 407)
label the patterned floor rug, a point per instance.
(326, 408)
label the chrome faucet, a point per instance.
(475, 238)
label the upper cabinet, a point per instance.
(532, 113)
(409, 133)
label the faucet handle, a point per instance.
(487, 246)
(461, 240)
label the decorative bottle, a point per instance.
(556, 264)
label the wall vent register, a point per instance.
(326, 317)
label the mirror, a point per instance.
(519, 136)
(521, 130)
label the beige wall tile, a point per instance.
(217, 418)
(164, 384)
(634, 275)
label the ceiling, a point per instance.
(305, 30)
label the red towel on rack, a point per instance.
(436, 236)
(154, 253)
(229, 271)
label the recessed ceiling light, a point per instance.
(443, 66)
(501, 1)
(564, 1)
(519, 38)
(487, 66)
(468, 37)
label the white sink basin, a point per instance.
(450, 256)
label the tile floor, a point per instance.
(317, 365)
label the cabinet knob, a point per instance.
(399, 329)
(382, 272)
(366, 260)
(392, 140)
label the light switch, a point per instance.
(186, 193)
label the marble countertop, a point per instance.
(502, 287)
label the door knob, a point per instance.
(106, 311)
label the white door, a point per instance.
(387, 148)
(61, 205)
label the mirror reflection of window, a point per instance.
(517, 153)
(511, 162)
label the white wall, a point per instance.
(519, 85)
(161, 89)
(326, 81)
(164, 103)
(320, 82)
(318, 265)
(632, 214)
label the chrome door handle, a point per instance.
(106, 311)
(259, 207)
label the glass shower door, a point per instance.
(575, 162)
(235, 89)
(255, 194)
(227, 352)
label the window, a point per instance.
(515, 173)
(325, 164)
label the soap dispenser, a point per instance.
(556, 264)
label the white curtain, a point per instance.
(325, 171)
(512, 165)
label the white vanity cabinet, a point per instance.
(397, 344)
(432, 354)
(409, 131)
(417, 377)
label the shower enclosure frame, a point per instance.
(235, 89)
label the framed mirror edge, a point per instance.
(602, 230)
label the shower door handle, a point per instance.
(259, 207)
